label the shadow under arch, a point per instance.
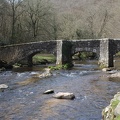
(84, 55)
(30, 56)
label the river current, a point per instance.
(24, 99)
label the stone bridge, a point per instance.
(62, 49)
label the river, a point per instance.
(24, 99)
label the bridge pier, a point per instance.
(64, 52)
(106, 53)
(29, 61)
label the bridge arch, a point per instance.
(86, 46)
(33, 53)
(84, 55)
(15, 53)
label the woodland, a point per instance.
(24, 21)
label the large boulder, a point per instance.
(112, 112)
(64, 95)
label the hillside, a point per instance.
(35, 20)
(101, 16)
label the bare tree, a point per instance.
(15, 12)
(37, 11)
(104, 23)
(90, 21)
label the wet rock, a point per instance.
(49, 91)
(47, 73)
(106, 69)
(3, 86)
(64, 95)
(3, 64)
(112, 112)
(117, 74)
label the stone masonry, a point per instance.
(62, 49)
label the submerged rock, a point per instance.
(64, 95)
(49, 91)
(112, 112)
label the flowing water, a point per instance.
(24, 99)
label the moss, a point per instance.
(65, 66)
(101, 65)
(117, 118)
(115, 103)
(109, 112)
(58, 67)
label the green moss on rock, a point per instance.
(117, 118)
(114, 103)
(59, 67)
(111, 112)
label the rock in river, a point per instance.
(106, 69)
(117, 74)
(49, 91)
(64, 95)
(3, 86)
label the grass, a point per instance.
(44, 57)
